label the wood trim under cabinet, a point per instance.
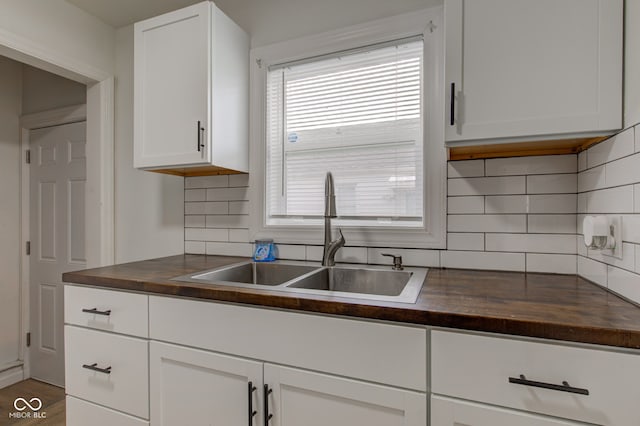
(522, 149)
(197, 171)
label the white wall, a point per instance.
(632, 63)
(57, 26)
(10, 99)
(42, 91)
(149, 206)
(278, 20)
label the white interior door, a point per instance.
(57, 224)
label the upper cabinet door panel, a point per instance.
(172, 56)
(522, 68)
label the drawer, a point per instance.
(372, 351)
(479, 368)
(83, 413)
(115, 311)
(453, 412)
(125, 386)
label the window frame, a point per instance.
(429, 24)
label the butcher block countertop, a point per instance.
(559, 307)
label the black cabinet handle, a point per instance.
(267, 415)
(564, 387)
(252, 412)
(200, 130)
(97, 312)
(94, 367)
(452, 104)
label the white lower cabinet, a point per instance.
(452, 412)
(303, 398)
(83, 413)
(194, 387)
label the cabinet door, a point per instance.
(311, 399)
(172, 58)
(527, 68)
(194, 387)
(452, 412)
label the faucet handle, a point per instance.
(397, 261)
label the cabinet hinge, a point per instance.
(28, 339)
(28, 248)
(27, 156)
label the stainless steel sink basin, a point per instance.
(370, 282)
(353, 281)
(252, 273)
(366, 281)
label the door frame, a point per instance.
(55, 117)
(100, 184)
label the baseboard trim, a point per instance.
(11, 375)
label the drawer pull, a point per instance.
(252, 412)
(564, 387)
(94, 367)
(97, 312)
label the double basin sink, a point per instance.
(361, 282)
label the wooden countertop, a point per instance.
(560, 307)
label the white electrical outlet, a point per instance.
(615, 224)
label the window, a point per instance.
(358, 115)
(367, 104)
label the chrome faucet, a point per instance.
(330, 247)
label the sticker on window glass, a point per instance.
(292, 137)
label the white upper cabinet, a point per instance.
(532, 69)
(191, 91)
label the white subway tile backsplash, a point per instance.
(552, 263)
(636, 197)
(465, 205)
(206, 234)
(238, 207)
(212, 207)
(220, 181)
(487, 186)
(531, 243)
(592, 179)
(227, 221)
(197, 221)
(582, 161)
(345, 254)
(624, 171)
(465, 168)
(503, 204)
(582, 203)
(625, 283)
(613, 148)
(227, 194)
(195, 195)
(636, 131)
(291, 252)
(229, 249)
(631, 228)
(637, 259)
(238, 180)
(410, 257)
(239, 235)
(483, 260)
(551, 224)
(592, 270)
(552, 184)
(194, 247)
(553, 203)
(465, 241)
(487, 223)
(539, 165)
(612, 200)
(581, 248)
(627, 262)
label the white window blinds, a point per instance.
(358, 115)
